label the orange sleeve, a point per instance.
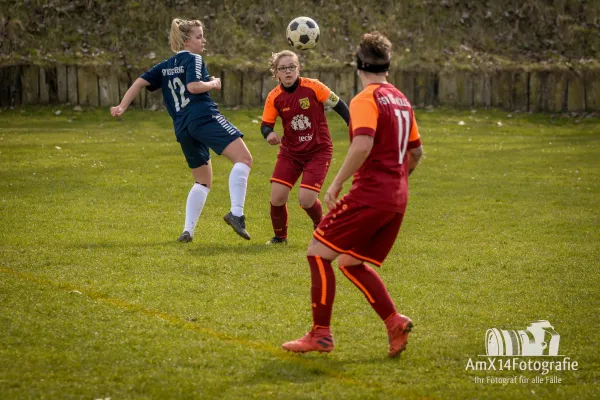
(414, 130)
(319, 88)
(414, 139)
(364, 114)
(270, 113)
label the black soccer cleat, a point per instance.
(185, 237)
(238, 224)
(276, 240)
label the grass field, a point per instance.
(98, 300)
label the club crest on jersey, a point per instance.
(305, 103)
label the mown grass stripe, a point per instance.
(183, 323)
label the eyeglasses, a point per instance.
(290, 68)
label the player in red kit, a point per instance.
(362, 227)
(306, 147)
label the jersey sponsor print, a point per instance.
(302, 114)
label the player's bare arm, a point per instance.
(357, 154)
(131, 94)
(203, 87)
(414, 155)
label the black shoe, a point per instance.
(238, 224)
(185, 237)
(276, 240)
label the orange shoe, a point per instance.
(318, 340)
(399, 326)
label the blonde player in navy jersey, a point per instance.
(185, 84)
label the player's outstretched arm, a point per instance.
(131, 94)
(414, 155)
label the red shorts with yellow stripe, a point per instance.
(313, 169)
(360, 231)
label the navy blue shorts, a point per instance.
(213, 132)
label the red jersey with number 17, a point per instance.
(383, 112)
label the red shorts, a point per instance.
(360, 231)
(312, 168)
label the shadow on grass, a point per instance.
(325, 371)
(234, 248)
(204, 249)
(298, 369)
(121, 244)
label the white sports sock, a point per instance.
(194, 206)
(238, 182)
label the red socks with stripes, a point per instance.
(369, 282)
(315, 212)
(279, 219)
(362, 276)
(322, 290)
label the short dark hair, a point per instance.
(375, 49)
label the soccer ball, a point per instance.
(303, 33)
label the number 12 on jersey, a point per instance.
(184, 100)
(403, 131)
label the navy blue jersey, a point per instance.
(173, 75)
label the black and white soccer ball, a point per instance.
(303, 33)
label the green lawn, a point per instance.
(98, 300)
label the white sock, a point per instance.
(194, 206)
(238, 182)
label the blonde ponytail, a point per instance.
(180, 32)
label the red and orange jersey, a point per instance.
(383, 112)
(302, 114)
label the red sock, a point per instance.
(315, 212)
(322, 290)
(279, 219)
(372, 287)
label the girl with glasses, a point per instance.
(305, 146)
